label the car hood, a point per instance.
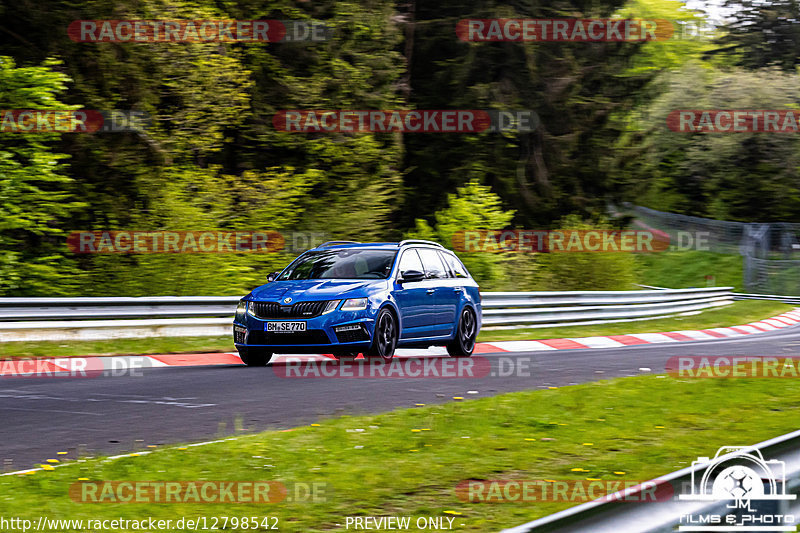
(314, 289)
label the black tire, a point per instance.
(254, 356)
(464, 343)
(384, 339)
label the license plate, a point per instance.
(285, 327)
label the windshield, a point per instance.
(341, 264)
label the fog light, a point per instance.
(353, 327)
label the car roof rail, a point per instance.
(418, 241)
(333, 243)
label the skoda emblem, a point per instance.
(287, 300)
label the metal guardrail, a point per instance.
(78, 318)
(614, 516)
(574, 307)
(795, 300)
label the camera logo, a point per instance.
(738, 474)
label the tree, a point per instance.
(36, 195)
(473, 207)
(762, 33)
(744, 176)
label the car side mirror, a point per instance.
(411, 275)
(272, 275)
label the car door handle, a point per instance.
(431, 291)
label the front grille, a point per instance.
(312, 336)
(297, 310)
(353, 335)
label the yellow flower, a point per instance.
(413, 450)
(183, 448)
(593, 479)
(588, 444)
(530, 439)
(315, 425)
(451, 512)
(83, 479)
(48, 467)
(620, 473)
(61, 453)
(659, 427)
(415, 431)
(458, 397)
(53, 461)
(419, 404)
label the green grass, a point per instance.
(732, 315)
(680, 270)
(644, 426)
(738, 313)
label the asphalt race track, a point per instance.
(108, 415)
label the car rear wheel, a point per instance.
(464, 343)
(254, 356)
(384, 339)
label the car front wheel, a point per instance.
(384, 339)
(464, 342)
(254, 356)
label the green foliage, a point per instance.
(587, 270)
(36, 194)
(473, 207)
(761, 33)
(739, 176)
(575, 89)
(689, 40)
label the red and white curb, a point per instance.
(55, 365)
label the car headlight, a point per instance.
(354, 304)
(241, 309)
(331, 306)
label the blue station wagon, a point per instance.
(346, 298)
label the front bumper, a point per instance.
(338, 331)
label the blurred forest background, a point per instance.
(211, 158)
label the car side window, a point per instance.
(434, 268)
(455, 265)
(410, 261)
